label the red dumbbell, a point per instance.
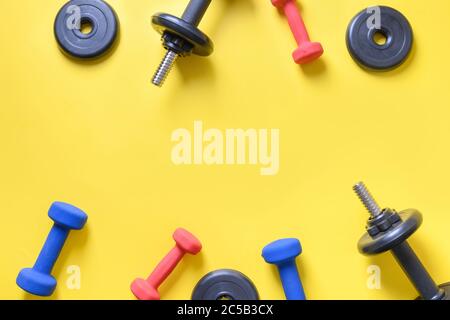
(307, 51)
(185, 243)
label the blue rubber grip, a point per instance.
(38, 280)
(283, 253)
(51, 249)
(290, 279)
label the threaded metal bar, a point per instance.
(164, 68)
(367, 199)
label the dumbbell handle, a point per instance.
(165, 267)
(195, 11)
(416, 272)
(51, 249)
(290, 279)
(296, 22)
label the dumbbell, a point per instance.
(283, 253)
(389, 230)
(185, 243)
(38, 280)
(307, 51)
(181, 37)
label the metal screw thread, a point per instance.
(367, 199)
(164, 68)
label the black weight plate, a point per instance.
(410, 221)
(225, 284)
(203, 45)
(446, 288)
(368, 53)
(104, 28)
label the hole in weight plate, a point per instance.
(380, 38)
(86, 26)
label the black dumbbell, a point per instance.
(389, 230)
(181, 37)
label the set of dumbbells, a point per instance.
(217, 285)
(387, 230)
(181, 37)
(224, 284)
(220, 284)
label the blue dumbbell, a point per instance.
(38, 280)
(282, 253)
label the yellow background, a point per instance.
(97, 135)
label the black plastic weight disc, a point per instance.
(225, 285)
(103, 28)
(363, 47)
